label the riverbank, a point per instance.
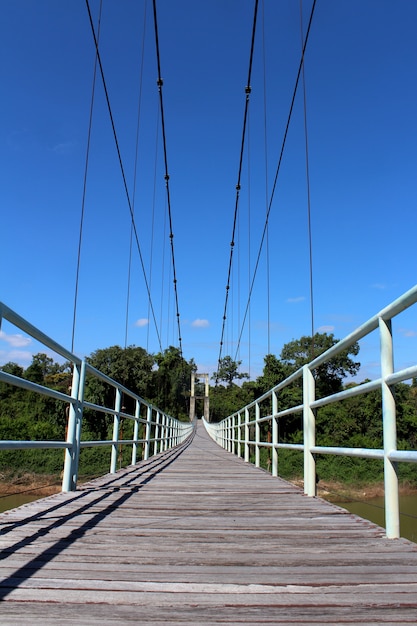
(12, 483)
(338, 492)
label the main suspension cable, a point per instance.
(122, 171)
(277, 170)
(242, 146)
(160, 83)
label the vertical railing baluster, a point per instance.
(136, 433)
(157, 433)
(148, 432)
(72, 453)
(116, 428)
(165, 427)
(392, 516)
(274, 450)
(309, 428)
(257, 435)
(239, 438)
(247, 435)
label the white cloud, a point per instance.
(21, 357)
(65, 147)
(17, 341)
(379, 286)
(143, 321)
(406, 332)
(198, 323)
(325, 329)
(297, 299)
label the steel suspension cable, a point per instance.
(268, 278)
(310, 238)
(249, 245)
(153, 230)
(87, 154)
(278, 168)
(242, 146)
(160, 83)
(122, 170)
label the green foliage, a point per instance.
(328, 376)
(172, 382)
(226, 400)
(228, 371)
(274, 372)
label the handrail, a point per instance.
(233, 433)
(161, 431)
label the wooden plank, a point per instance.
(198, 536)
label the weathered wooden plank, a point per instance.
(204, 538)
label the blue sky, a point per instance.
(361, 96)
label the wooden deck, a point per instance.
(198, 536)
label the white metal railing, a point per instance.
(233, 433)
(161, 431)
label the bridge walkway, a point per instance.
(196, 535)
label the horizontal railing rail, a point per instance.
(160, 431)
(240, 432)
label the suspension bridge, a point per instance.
(195, 534)
(191, 531)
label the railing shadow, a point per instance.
(146, 474)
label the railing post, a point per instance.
(148, 432)
(257, 435)
(72, 453)
(392, 515)
(239, 438)
(136, 433)
(274, 450)
(309, 427)
(116, 427)
(156, 443)
(246, 435)
(165, 430)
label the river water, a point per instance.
(11, 502)
(372, 510)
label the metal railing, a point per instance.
(234, 432)
(160, 431)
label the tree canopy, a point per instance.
(329, 376)
(228, 371)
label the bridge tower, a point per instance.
(193, 397)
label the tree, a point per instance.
(328, 376)
(131, 367)
(41, 366)
(229, 371)
(9, 391)
(274, 372)
(226, 400)
(172, 382)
